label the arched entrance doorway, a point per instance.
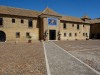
(2, 36)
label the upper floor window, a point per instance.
(30, 23)
(22, 21)
(83, 25)
(64, 25)
(17, 34)
(72, 25)
(78, 27)
(1, 21)
(13, 20)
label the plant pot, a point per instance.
(29, 41)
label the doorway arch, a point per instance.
(2, 36)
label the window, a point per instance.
(1, 21)
(86, 35)
(27, 34)
(83, 34)
(22, 21)
(78, 26)
(83, 25)
(64, 34)
(17, 34)
(72, 25)
(30, 23)
(70, 34)
(13, 20)
(75, 34)
(64, 25)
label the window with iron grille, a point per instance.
(30, 23)
(13, 20)
(78, 26)
(17, 34)
(22, 21)
(64, 25)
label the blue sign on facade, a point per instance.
(52, 21)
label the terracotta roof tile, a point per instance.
(72, 19)
(18, 11)
(94, 21)
(49, 11)
(30, 13)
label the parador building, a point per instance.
(19, 24)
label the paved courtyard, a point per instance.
(22, 59)
(50, 58)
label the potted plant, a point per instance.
(29, 39)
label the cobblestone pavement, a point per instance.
(22, 59)
(87, 51)
(61, 63)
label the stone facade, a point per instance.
(11, 29)
(75, 28)
(76, 34)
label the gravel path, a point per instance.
(92, 58)
(87, 51)
(61, 63)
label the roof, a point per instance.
(30, 13)
(49, 11)
(85, 17)
(94, 21)
(18, 12)
(72, 19)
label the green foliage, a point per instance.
(29, 37)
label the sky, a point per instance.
(76, 8)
